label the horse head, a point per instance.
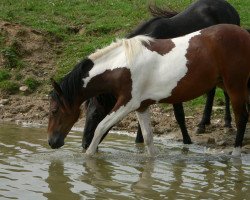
(65, 102)
(62, 117)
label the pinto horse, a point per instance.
(142, 71)
(169, 24)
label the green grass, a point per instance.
(32, 83)
(9, 87)
(11, 57)
(4, 75)
(99, 22)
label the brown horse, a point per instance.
(142, 71)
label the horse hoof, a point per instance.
(200, 130)
(187, 142)
(229, 130)
(236, 152)
(89, 153)
(152, 151)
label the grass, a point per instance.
(11, 57)
(85, 25)
(9, 87)
(4, 75)
(31, 83)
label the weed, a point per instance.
(4, 75)
(9, 87)
(31, 83)
(11, 58)
(18, 76)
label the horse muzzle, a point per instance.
(55, 142)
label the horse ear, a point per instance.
(56, 87)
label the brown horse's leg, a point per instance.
(239, 104)
(227, 117)
(180, 118)
(207, 112)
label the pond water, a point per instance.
(29, 169)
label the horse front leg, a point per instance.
(97, 110)
(144, 120)
(139, 137)
(118, 113)
(94, 115)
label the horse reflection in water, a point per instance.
(59, 183)
(142, 71)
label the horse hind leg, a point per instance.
(227, 117)
(206, 117)
(239, 101)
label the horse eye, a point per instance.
(54, 111)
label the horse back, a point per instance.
(231, 46)
(229, 42)
(212, 12)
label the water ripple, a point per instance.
(29, 169)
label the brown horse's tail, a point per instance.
(248, 30)
(161, 12)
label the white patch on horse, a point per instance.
(160, 73)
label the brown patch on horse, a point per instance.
(118, 81)
(161, 46)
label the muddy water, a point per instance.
(29, 169)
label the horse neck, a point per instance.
(99, 79)
(96, 86)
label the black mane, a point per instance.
(156, 11)
(72, 83)
(158, 14)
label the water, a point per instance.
(29, 169)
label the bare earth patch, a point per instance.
(37, 52)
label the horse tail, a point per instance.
(160, 12)
(248, 30)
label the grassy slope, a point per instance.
(100, 22)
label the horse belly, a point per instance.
(198, 81)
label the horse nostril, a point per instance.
(56, 143)
(50, 142)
